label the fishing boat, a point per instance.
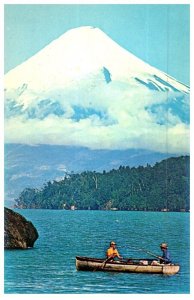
(130, 266)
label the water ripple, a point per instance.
(50, 266)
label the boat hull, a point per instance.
(94, 264)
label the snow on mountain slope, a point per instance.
(84, 89)
(82, 51)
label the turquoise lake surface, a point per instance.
(49, 267)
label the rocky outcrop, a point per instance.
(18, 232)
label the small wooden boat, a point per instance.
(130, 266)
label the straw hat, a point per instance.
(112, 243)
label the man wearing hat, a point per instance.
(112, 252)
(165, 259)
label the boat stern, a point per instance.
(170, 269)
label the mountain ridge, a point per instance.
(32, 166)
(163, 187)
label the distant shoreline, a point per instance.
(158, 211)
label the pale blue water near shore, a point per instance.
(50, 266)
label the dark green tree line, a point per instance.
(164, 186)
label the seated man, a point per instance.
(165, 258)
(112, 252)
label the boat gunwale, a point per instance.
(101, 260)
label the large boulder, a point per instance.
(18, 232)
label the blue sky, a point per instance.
(158, 34)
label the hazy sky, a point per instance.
(158, 34)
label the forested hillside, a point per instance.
(164, 186)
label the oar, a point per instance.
(105, 261)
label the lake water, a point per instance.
(50, 266)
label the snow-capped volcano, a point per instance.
(83, 51)
(84, 89)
